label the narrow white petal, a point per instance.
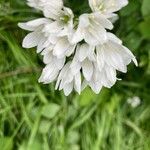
(77, 36)
(40, 45)
(113, 38)
(87, 68)
(49, 74)
(48, 58)
(38, 22)
(102, 20)
(111, 74)
(83, 51)
(70, 50)
(31, 40)
(26, 27)
(75, 67)
(68, 88)
(100, 57)
(77, 84)
(62, 74)
(61, 47)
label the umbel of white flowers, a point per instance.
(79, 53)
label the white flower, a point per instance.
(107, 6)
(63, 25)
(67, 80)
(95, 82)
(92, 28)
(36, 37)
(110, 57)
(53, 66)
(134, 102)
(63, 48)
(78, 52)
(50, 8)
(58, 34)
(47, 33)
(114, 54)
(99, 64)
(84, 59)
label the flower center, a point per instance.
(65, 19)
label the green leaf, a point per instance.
(133, 40)
(36, 145)
(146, 8)
(145, 29)
(44, 126)
(73, 137)
(86, 97)
(50, 110)
(129, 9)
(6, 143)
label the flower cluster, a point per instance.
(78, 52)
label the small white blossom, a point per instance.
(99, 64)
(134, 102)
(53, 66)
(92, 28)
(63, 48)
(46, 32)
(107, 6)
(67, 80)
(113, 54)
(36, 37)
(83, 59)
(110, 57)
(51, 8)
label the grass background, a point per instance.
(35, 117)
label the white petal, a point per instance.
(107, 6)
(84, 21)
(68, 88)
(95, 36)
(87, 68)
(60, 62)
(49, 74)
(75, 67)
(111, 74)
(31, 40)
(131, 56)
(100, 57)
(48, 58)
(62, 74)
(40, 46)
(26, 27)
(61, 47)
(114, 58)
(83, 52)
(38, 22)
(53, 27)
(77, 85)
(77, 36)
(96, 86)
(113, 38)
(50, 8)
(91, 53)
(70, 50)
(102, 20)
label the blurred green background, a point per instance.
(36, 117)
